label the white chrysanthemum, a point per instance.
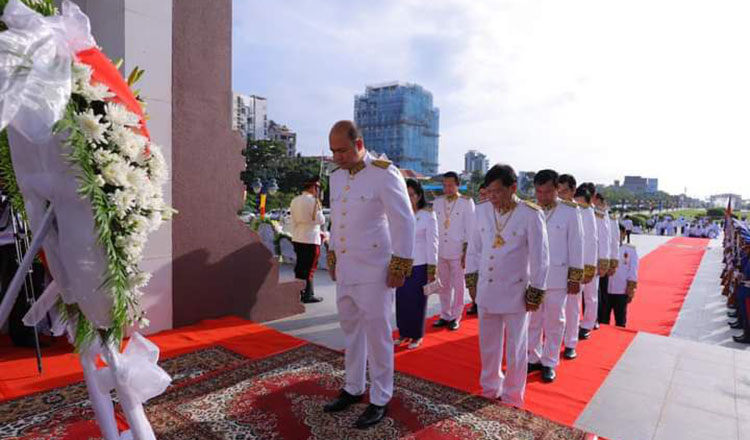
(132, 246)
(102, 157)
(138, 180)
(96, 92)
(130, 143)
(157, 165)
(116, 172)
(119, 115)
(140, 223)
(124, 201)
(99, 180)
(92, 126)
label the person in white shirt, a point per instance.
(628, 223)
(411, 302)
(455, 216)
(606, 251)
(307, 217)
(507, 264)
(371, 254)
(622, 284)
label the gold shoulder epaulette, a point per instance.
(381, 163)
(532, 205)
(599, 214)
(571, 204)
(427, 208)
(482, 202)
(584, 205)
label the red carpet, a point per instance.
(664, 278)
(452, 359)
(18, 374)
(218, 394)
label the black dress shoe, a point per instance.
(584, 333)
(372, 415)
(344, 401)
(596, 326)
(742, 339)
(440, 323)
(312, 299)
(570, 353)
(548, 374)
(472, 310)
(453, 325)
(732, 314)
(735, 325)
(534, 367)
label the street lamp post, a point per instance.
(263, 189)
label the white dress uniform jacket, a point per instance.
(603, 227)
(505, 272)
(426, 238)
(627, 271)
(372, 235)
(460, 216)
(371, 220)
(565, 234)
(307, 218)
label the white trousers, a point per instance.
(454, 285)
(591, 301)
(365, 316)
(546, 328)
(572, 320)
(496, 331)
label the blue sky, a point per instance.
(599, 88)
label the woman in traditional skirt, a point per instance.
(411, 302)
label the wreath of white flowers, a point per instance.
(121, 173)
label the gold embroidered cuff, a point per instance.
(431, 269)
(331, 259)
(400, 266)
(575, 274)
(472, 279)
(534, 296)
(603, 264)
(614, 263)
(631, 285)
(589, 271)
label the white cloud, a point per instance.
(594, 87)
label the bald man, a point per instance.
(372, 236)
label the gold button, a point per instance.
(343, 238)
(343, 214)
(362, 197)
(490, 280)
(342, 226)
(343, 200)
(375, 245)
(446, 241)
(343, 251)
(492, 257)
(491, 269)
(347, 187)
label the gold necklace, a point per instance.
(499, 227)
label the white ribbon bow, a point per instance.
(35, 66)
(137, 371)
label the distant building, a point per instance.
(721, 200)
(617, 183)
(476, 161)
(640, 185)
(281, 133)
(250, 116)
(399, 120)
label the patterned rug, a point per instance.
(218, 394)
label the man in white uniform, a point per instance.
(307, 218)
(622, 283)
(567, 191)
(565, 234)
(603, 228)
(507, 264)
(593, 247)
(372, 240)
(455, 215)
